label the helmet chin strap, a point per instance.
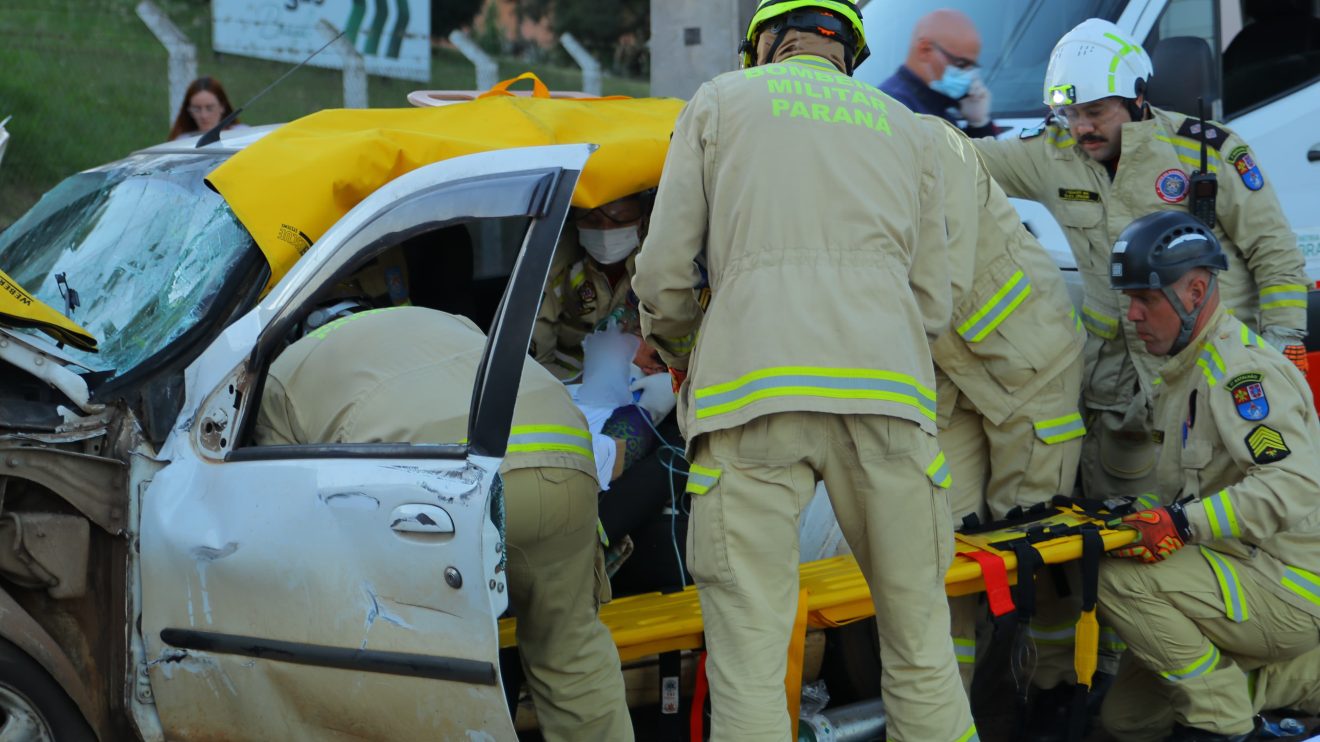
(1188, 318)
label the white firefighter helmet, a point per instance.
(1095, 60)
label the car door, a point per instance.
(344, 591)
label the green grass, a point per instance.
(86, 84)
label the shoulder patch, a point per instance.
(1247, 169)
(1212, 135)
(1249, 396)
(1266, 445)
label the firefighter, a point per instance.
(814, 201)
(589, 283)
(1225, 575)
(360, 379)
(1104, 157)
(1008, 385)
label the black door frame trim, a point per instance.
(342, 658)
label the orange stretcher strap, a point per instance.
(995, 575)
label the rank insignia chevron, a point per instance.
(1266, 445)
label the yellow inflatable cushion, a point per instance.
(292, 185)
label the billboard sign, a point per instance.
(393, 36)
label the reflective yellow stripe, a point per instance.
(1235, 600)
(1124, 48)
(1100, 325)
(701, 479)
(680, 346)
(578, 276)
(938, 471)
(1203, 664)
(1077, 320)
(1250, 338)
(1060, 138)
(600, 531)
(997, 309)
(812, 63)
(1188, 151)
(1148, 501)
(1056, 634)
(1305, 584)
(1283, 295)
(1223, 520)
(1060, 429)
(1211, 364)
(812, 381)
(542, 438)
(964, 650)
(969, 735)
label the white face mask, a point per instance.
(608, 246)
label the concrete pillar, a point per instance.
(182, 53)
(590, 67)
(354, 67)
(693, 41)
(488, 73)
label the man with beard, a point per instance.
(1104, 157)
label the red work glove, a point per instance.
(1297, 354)
(679, 375)
(1162, 531)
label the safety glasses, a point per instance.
(962, 63)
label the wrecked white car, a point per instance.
(162, 578)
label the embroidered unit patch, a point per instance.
(1171, 186)
(1249, 396)
(1247, 169)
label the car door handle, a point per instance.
(1314, 154)
(420, 518)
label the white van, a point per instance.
(1257, 65)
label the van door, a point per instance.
(344, 591)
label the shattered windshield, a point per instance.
(144, 243)
(1017, 37)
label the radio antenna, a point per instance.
(214, 134)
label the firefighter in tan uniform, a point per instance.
(589, 283)
(404, 375)
(814, 201)
(1238, 476)
(1104, 158)
(1008, 383)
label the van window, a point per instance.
(1251, 52)
(1270, 48)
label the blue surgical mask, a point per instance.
(954, 83)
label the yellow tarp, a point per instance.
(19, 308)
(289, 187)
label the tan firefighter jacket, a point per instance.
(815, 201)
(1014, 329)
(1265, 284)
(1239, 434)
(577, 299)
(406, 375)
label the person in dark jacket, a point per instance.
(941, 75)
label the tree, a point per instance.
(447, 15)
(615, 32)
